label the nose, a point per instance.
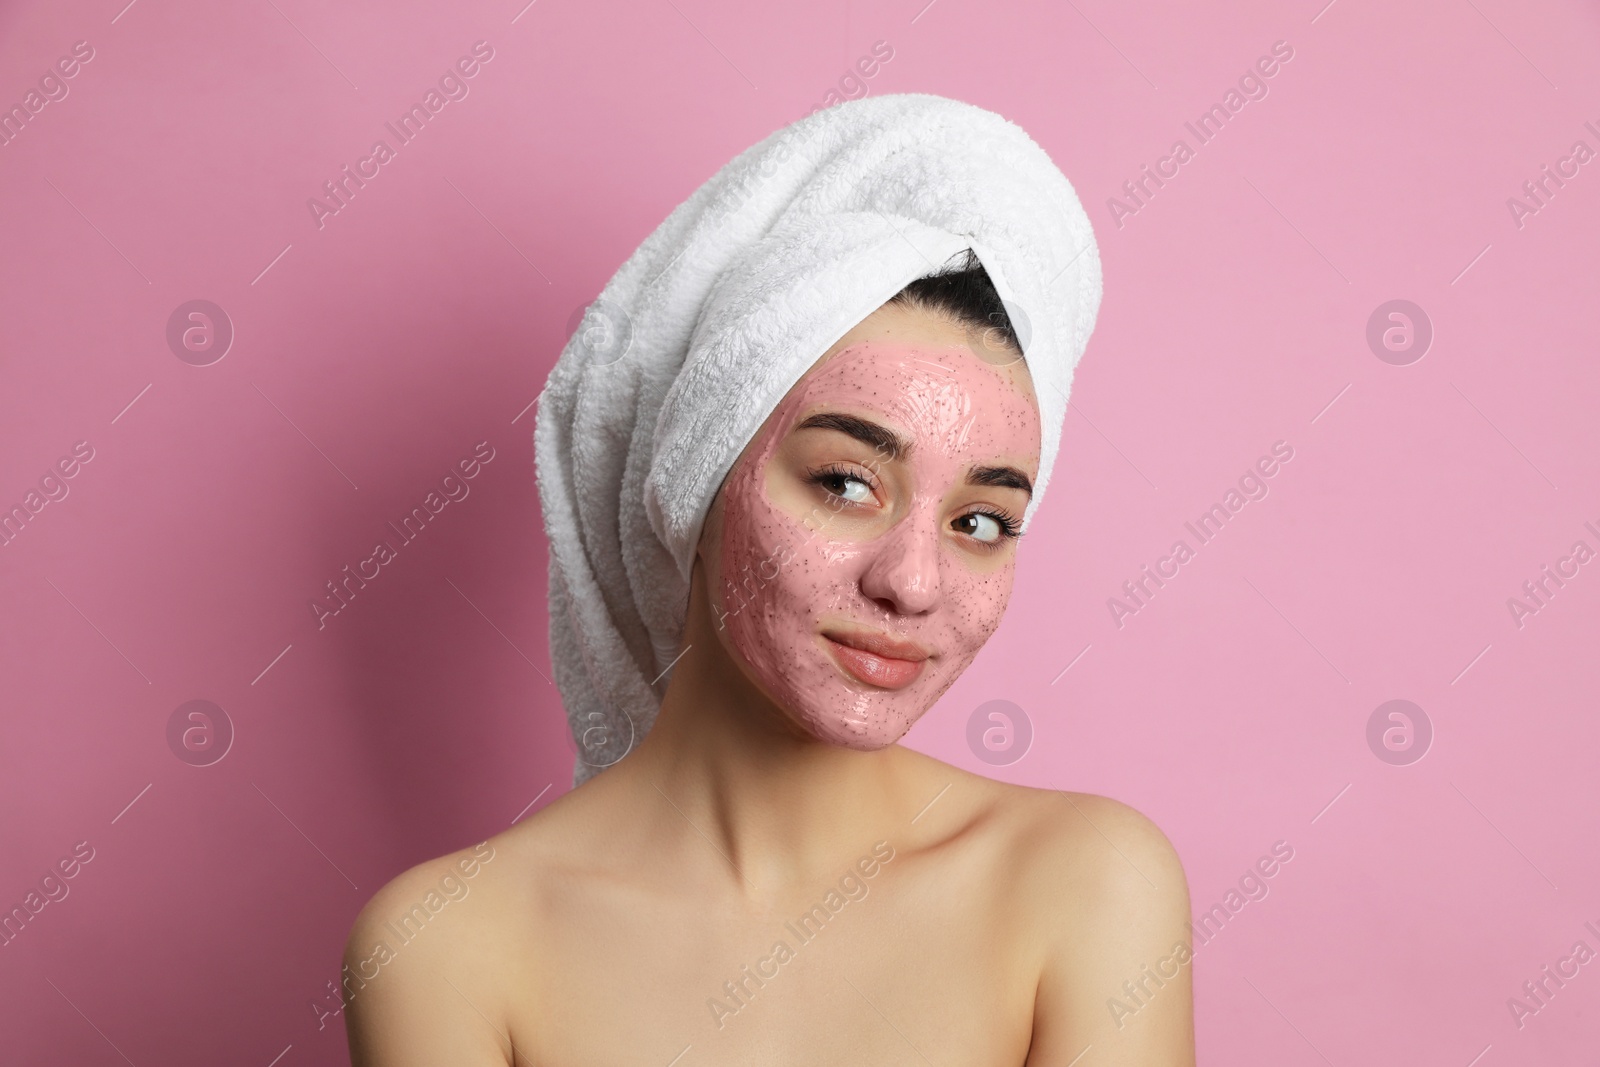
(904, 572)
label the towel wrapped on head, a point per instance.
(699, 335)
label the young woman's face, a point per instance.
(867, 540)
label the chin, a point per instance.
(850, 715)
(870, 736)
(824, 702)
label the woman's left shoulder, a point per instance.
(1104, 896)
(1108, 854)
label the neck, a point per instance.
(724, 765)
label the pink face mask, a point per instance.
(804, 570)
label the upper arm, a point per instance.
(1116, 975)
(414, 994)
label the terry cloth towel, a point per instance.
(695, 340)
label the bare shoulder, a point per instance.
(429, 964)
(415, 902)
(415, 964)
(448, 953)
(1110, 854)
(1081, 850)
(475, 899)
(1104, 890)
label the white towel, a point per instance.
(699, 335)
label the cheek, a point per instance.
(777, 581)
(767, 562)
(973, 605)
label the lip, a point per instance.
(877, 659)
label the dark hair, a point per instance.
(962, 290)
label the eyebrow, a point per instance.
(886, 442)
(879, 438)
(1006, 477)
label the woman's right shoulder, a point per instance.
(480, 886)
(414, 967)
(436, 956)
(430, 886)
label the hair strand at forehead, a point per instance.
(963, 290)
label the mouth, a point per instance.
(877, 659)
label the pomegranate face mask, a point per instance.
(866, 553)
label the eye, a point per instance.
(990, 528)
(843, 482)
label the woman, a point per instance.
(752, 870)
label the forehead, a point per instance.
(941, 396)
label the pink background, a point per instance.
(373, 353)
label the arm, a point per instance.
(1116, 978)
(416, 995)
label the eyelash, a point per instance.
(1009, 527)
(839, 470)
